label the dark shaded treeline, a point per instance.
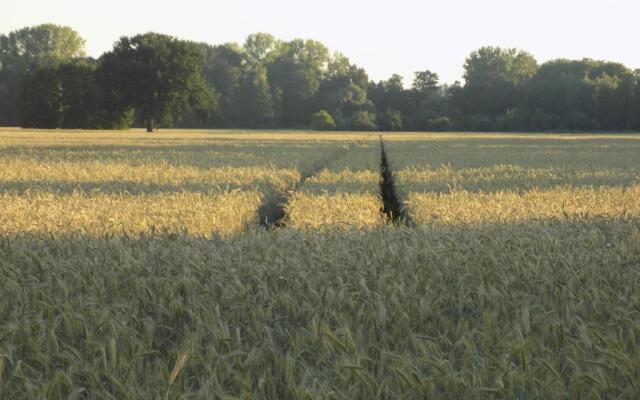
(46, 81)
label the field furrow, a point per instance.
(344, 195)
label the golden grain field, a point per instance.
(134, 265)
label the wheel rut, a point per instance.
(272, 210)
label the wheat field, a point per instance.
(135, 265)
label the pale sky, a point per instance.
(384, 37)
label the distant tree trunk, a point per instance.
(150, 124)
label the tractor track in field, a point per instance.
(272, 210)
(393, 206)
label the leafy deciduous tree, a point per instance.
(322, 121)
(158, 76)
(27, 49)
(495, 79)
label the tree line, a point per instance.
(151, 79)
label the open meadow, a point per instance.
(137, 265)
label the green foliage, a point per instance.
(495, 66)
(390, 95)
(258, 47)
(391, 120)
(40, 102)
(511, 121)
(343, 89)
(479, 123)
(322, 121)
(364, 121)
(157, 79)
(255, 98)
(40, 45)
(67, 95)
(81, 97)
(27, 49)
(440, 123)
(636, 101)
(425, 82)
(224, 70)
(495, 79)
(158, 76)
(585, 94)
(295, 72)
(429, 102)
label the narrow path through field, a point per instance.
(392, 205)
(271, 212)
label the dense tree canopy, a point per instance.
(585, 94)
(148, 79)
(343, 90)
(41, 45)
(28, 49)
(64, 95)
(158, 76)
(295, 71)
(495, 79)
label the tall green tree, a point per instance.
(41, 45)
(495, 79)
(614, 92)
(295, 72)
(392, 102)
(256, 100)
(40, 99)
(343, 90)
(270, 83)
(82, 108)
(67, 95)
(583, 94)
(158, 76)
(425, 83)
(636, 100)
(239, 77)
(28, 49)
(223, 71)
(428, 100)
(258, 47)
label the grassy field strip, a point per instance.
(279, 135)
(524, 310)
(463, 207)
(516, 138)
(344, 195)
(590, 152)
(201, 214)
(64, 176)
(98, 189)
(107, 168)
(190, 137)
(572, 185)
(100, 198)
(241, 154)
(512, 177)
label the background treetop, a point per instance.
(41, 45)
(265, 82)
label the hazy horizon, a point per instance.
(402, 38)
